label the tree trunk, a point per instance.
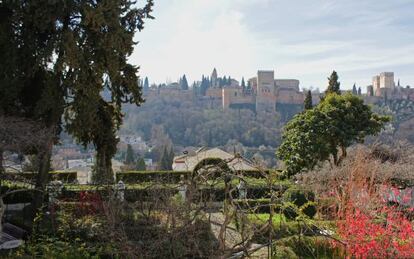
(103, 173)
(42, 178)
(1, 167)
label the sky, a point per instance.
(300, 39)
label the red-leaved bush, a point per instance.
(89, 203)
(385, 233)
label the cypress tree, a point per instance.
(334, 84)
(354, 90)
(130, 155)
(140, 165)
(70, 52)
(166, 159)
(359, 91)
(308, 100)
(184, 83)
(146, 84)
(243, 84)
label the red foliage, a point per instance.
(385, 233)
(89, 203)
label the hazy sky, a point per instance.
(302, 39)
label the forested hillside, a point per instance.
(190, 124)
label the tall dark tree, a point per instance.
(184, 83)
(243, 83)
(130, 155)
(359, 91)
(166, 159)
(334, 84)
(146, 84)
(354, 90)
(308, 100)
(61, 61)
(140, 165)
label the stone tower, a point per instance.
(265, 98)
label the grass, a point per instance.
(262, 218)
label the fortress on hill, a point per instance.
(261, 93)
(264, 92)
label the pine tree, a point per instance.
(184, 83)
(308, 101)
(359, 91)
(334, 84)
(130, 155)
(354, 90)
(140, 165)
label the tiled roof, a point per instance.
(189, 162)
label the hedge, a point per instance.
(66, 177)
(175, 176)
(300, 199)
(149, 176)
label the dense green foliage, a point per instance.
(318, 134)
(58, 59)
(299, 200)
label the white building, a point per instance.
(188, 162)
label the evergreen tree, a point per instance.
(140, 165)
(166, 159)
(146, 84)
(184, 83)
(130, 155)
(243, 84)
(55, 66)
(354, 90)
(223, 81)
(334, 84)
(204, 86)
(170, 158)
(359, 91)
(308, 100)
(229, 81)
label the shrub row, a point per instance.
(170, 176)
(130, 177)
(66, 177)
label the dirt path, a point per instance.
(234, 238)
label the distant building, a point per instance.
(384, 87)
(188, 162)
(266, 94)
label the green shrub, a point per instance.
(309, 246)
(149, 176)
(299, 201)
(283, 252)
